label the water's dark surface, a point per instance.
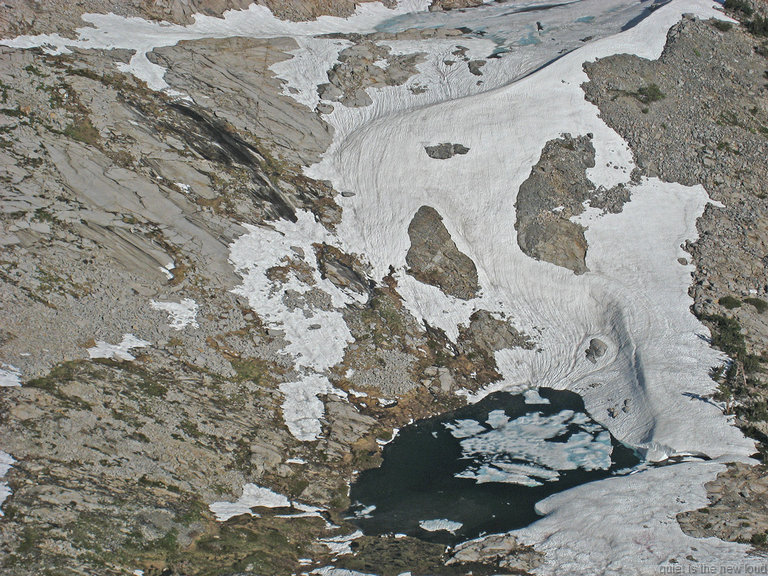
(488, 440)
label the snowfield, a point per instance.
(634, 296)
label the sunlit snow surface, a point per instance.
(282, 283)
(341, 545)
(6, 461)
(253, 496)
(182, 314)
(120, 351)
(9, 376)
(259, 497)
(634, 297)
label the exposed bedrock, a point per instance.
(742, 492)
(366, 65)
(445, 150)
(453, 4)
(597, 349)
(555, 192)
(235, 74)
(434, 258)
(491, 334)
(45, 16)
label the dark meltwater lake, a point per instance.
(483, 468)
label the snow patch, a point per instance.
(395, 432)
(6, 461)
(302, 407)
(340, 545)
(166, 270)
(333, 571)
(628, 525)
(110, 31)
(9, 376)
(182, 313)
(283, 285)
(253, 496)
(259, 497)
(121, 351)
(301, 302)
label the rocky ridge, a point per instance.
(698, 115)
(120, 203)
(553, 194)
(49, 16)
(115, 196)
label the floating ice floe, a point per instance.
(182, 313)
(524, 451)
(6, 461)
(121, 351)
(532, 396)
(364, 512)
(440, 524)
(9, 376)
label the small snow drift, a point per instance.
(9, 376)
(121, 351)
(253, 497)
(182, 314)
(5, 464)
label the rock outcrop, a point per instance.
(597, 349)
(434, 259)
(366, 65)
(236, 74)
(550, 197)
(706, 123)
(48, 16)
(741, 492)
(445, 150)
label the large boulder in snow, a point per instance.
(434, 258)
